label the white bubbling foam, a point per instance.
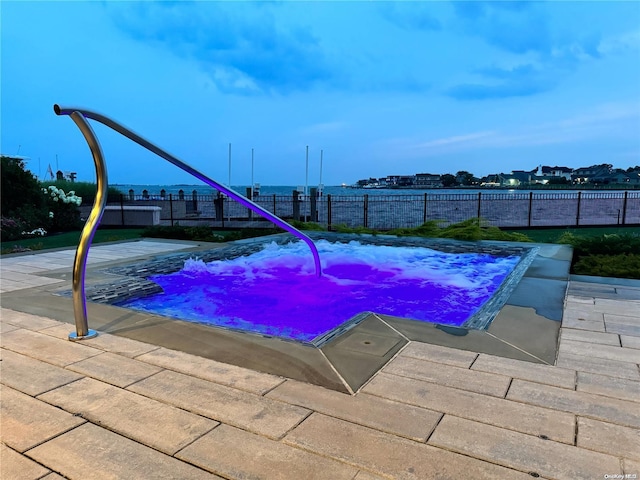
(460, 270)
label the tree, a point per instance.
(23, 205)
(448, 180)
(19, 187)
(27, 205)
(558, 181)
(465, 178)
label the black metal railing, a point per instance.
(385, 212)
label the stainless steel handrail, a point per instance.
(79, 266)
(80, 261)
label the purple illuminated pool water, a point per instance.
(275, 291)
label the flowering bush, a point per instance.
(58, 195)
(64, 214)
(37, 232)
(11, 228)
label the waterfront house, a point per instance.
(593, 174)
(400, 180)
(557, 172)
(521, 178)
(633, 178)
(367, 183)
(427, 180)
(490, 181)
(618, 177)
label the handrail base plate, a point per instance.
(74, 337)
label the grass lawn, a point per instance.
(71, 239)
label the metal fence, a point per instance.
(385, 212)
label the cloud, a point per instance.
(624, 42)
(515, 27)
(516, 72)
(410, 15)
(542, 56)
(324, 127)
(499, 82)
(586, 126)
(477, 91)
(241, 46)
(455, 140)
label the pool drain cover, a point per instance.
(367, 343)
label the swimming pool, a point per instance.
(521, 320)
(273, 291)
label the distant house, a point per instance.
(558, 172)
(521, 178)
(633, 178)
(490, 181)
(593, 174)
(400, 180)
(427, 180)
(367, 183)
(392, 180)
(618, 177)
(509, 180)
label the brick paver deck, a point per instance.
(112, 407)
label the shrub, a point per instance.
(471, 230)
(22, 199)
(623, 265)
(178, 232)
(612, 255)
(612, 244)
(307, 226)
(204, 234)
(64, 214)
(11, 228)
(342, 228)
(85, 190)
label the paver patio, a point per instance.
(113, 407)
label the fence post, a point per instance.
(424, 213)
(274, 204)
(122, 208)
(296, 205)
(366, 210)
(479, 204)
(218, 206)
(578, 209)
(313, 204)
(329, 212)
(624, 208)
(222, 211)
(250, 197)
(171, 207)
(530, 208)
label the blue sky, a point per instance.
(381, 87)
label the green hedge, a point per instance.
(471, 230)
(615, 255)
(204, 234)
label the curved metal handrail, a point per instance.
(78, 116)
(80, 261)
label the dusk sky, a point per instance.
(381, 87)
